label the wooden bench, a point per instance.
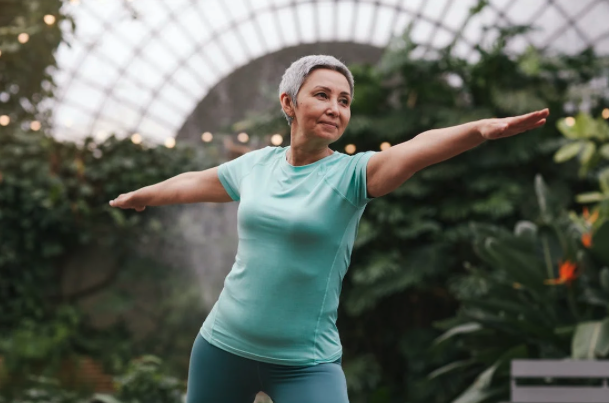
(560, 369)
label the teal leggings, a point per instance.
(217, 376)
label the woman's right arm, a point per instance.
(188, 187)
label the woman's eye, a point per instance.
(322, 94)
(345, 101)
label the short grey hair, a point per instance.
(296, 74)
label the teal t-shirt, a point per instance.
(296, 227)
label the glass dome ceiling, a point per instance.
(142, 66)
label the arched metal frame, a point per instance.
(435, 13)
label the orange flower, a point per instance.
(590, 219)
(567, 273)
(587, 239)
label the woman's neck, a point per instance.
(299, 155)
(305, 149)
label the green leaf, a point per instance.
(591, 340)
(603, 180)
(587, 126)
(541, 191)
(567, 152)
(604, 278)
(478, 391)
(118, 216)
(590, 197)
(449, 368)
(588, 152)
(521, 266)
(569, 132)
(600, 243)
(461, 329)
(525, 229)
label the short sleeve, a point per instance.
(231, 173)
(349, 178)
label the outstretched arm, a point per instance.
(388, 169)
(189, 187)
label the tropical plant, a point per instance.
(588, 139)
(538, 294)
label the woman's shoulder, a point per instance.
(262, 155)
(341, 160)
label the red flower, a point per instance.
(567, 273)
(587, 239)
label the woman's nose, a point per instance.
(333, 109)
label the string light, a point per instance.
(49, 19)
(5, 120)
(207, 137)
(276, 139)
(385, 145)
(350, 148)
(570, 121)
(136, 138)
(23, 38)
(170, 142)
(35, 125)
(606, 113)
(243, 137)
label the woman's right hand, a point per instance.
(127, 201)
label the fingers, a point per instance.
(123, 202)
(529, 118)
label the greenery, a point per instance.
(529, 299)
(544, 289)
(56, 224)
(145, 382)
(539, 290)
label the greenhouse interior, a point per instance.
(480, 276)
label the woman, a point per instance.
(273, 328)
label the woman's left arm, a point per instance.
(388, 169)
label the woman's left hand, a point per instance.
(493, 129)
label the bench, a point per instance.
(560, 369)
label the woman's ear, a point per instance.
(286, 104)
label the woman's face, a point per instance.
(324, 106)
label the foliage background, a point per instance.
(414, 261)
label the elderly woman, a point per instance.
(273, 328)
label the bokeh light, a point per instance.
(350, 148)
(243, 137)
(4, 120)
(170, 142)
(49, 19)
(570, 121)
(35, 125)
(605, 113)
(276, 139)
(207, 137)
(385, 145)
(136, 138)
(23, 38)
